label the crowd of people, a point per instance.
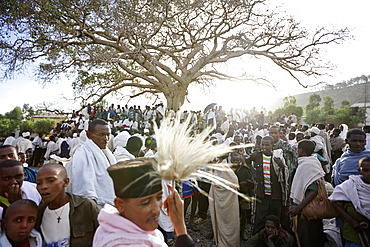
(89, 179)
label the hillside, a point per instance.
(355, 94)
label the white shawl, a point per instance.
(59, 143)
(354, 190)
(89, 173)
(164, 220)
(224, 210)
(121, 154)
(34, 239)
(309, 170)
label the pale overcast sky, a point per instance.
(351, 59)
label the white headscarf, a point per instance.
(121, 139)
(343, 134)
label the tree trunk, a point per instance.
(175, 98)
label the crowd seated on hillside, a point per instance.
(284, 168)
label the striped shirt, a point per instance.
(267, 174)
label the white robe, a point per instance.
(89, 173)
(24, 145)
(224, 210)
(50, 147)
(10, 140)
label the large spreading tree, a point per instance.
(156, 46)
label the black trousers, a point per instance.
(203, 203)
(37, 156)
(310, 232)
(265, 206)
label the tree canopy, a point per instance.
(328, 107)
(313, 101)
(289, 107)
(347, 83)
(15, 119)
(155, 46)
(290, 100)
(44, 125)
(345, 114)
(10, 121)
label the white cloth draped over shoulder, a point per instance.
(51, 147)
(121, 139)
(10, 140)
(35, 239)
(308, 171)
(121, 154)
(224, 210)
(23, 145)
(89, 173)
(78, 142)
(354, 190)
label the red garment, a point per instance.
(26, 244)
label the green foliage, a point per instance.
(11, 121)
(15, 114)
(297, 110)
(26, 126)
(315, 116)
(345, 103)
(28, 112)
(350, 115)
(289, 107)
(6, 126)
(351, 82)
(44, 125)
(314, 101)
(156, 46)
(328, 107)
(290, 100)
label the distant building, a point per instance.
(54, 116)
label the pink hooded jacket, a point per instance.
(115, 230)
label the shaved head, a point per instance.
(14, 207)
(60, 169)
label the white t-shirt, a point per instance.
(55, 226)
(81, 123)
(24, 145)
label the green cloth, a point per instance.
(314, 186)
(349, 232)
(4, 201)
